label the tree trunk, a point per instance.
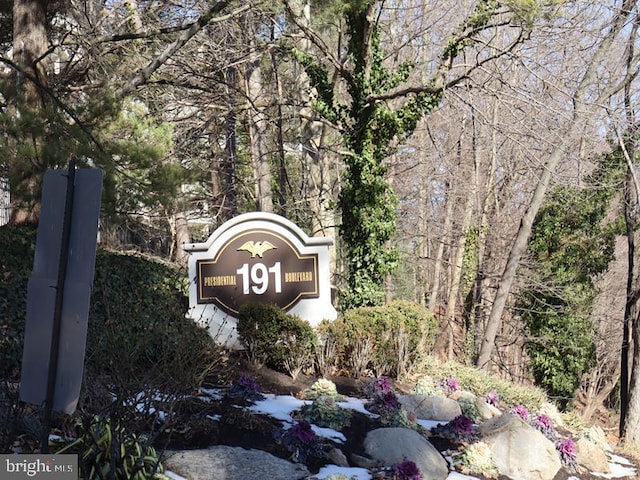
(181, 237)
(630, 205)
(319, 180)
(629, 425)
(29, 46)
(438, 261)
(258, 119)
(421, 278)
(519, 246)
(479, 283)
(457, 259)
(223, 173)
(283, 177)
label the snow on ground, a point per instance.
(620, 468)
(363, 474)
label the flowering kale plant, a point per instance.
(383, 399)
(459, 429)
(476, 458)
(492, 398)
(521, 411)
(567, 451)
(445, 386)
(470, 409)
(450, 385)
(427, 386)
(378, 387)
(301, 441)
(406, 470)
(325, 412)
(544, 424)
(322, 388)
(247, 388)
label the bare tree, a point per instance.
(583, 107)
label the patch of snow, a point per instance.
(173, 476)
(350, 472)
(356, 404)
(429, 424)
(620, 460)
(329, 433)
(210, 394)
(620, 468)
(460, 476)
(279, 407)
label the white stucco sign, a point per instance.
(258, 257)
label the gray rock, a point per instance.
(486, 410)
(431, 407)
(338, 458)
(362, 462)
(393, 445)
(591, 456)
(232, 463)
(520, 451)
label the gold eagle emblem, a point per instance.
(257, 249)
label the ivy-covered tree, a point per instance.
(375, 107)
(571, 243)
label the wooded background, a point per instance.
(476, 157)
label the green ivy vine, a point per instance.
(371, 128)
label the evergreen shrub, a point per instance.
(138, 333)
(387, 339)
(17, 245)
(138, 336)
(274, 338)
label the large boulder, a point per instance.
(232, 463)
(520, 451)
(394, 445)
(431, 407)
(591, 456)
(485, 410)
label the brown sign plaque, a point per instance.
(257, 266)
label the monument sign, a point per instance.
(258, 257)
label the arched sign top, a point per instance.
(258, 257)
(252, 220)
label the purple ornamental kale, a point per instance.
(303, 433)
(406, 470)
(462, 425)
(390, 401)
(461, 428)
(385, 404)
(544, 424)
(301, 441)
(567, 450)
(492, 398)
(384, 401)
(451, 384)
(380, 386)
(566, 447)
(247, 388)
(521, 411)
